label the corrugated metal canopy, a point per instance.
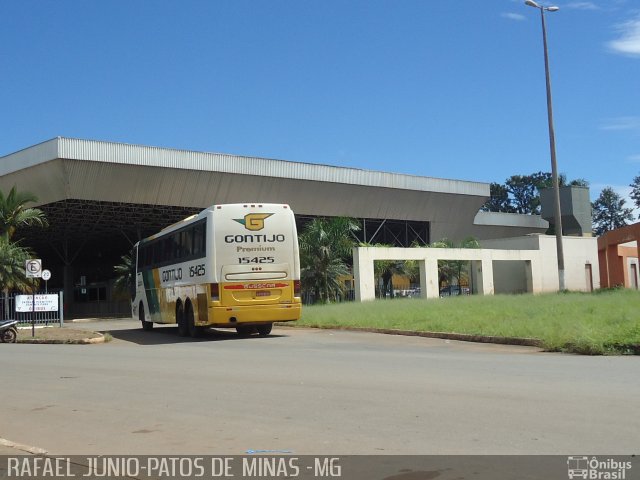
(139, 155)
(65, 168)
(100, 197)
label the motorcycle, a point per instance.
(9, 331)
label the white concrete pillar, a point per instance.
(363, 275)
(487, 275)
(423, 278)
(537, 285)
(431, 278)
(476, 277)
(528, 271)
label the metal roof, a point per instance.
(146, 156)
(94, 174)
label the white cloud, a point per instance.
(513, 16)
(582, 6)
(628, 42)
(633, 158)
(622, 123)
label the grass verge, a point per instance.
(605, 322)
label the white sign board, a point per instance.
(46, 275)
(33, 268)
(44, 303)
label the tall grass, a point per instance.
(589, 323)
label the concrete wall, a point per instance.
(614, 250)
(578, 253)
(482, 261)
(634, 269)
(511, 265)
(510, 276)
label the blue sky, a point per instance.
(450, 89)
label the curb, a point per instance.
(24, 448)
(463, 337)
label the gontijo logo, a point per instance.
(253, 221)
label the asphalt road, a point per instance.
(314, 392)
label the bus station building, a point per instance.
(102, 197)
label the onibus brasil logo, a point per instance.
(594, 468)
(253, 221)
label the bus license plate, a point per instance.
(263, 293)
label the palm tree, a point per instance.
(125, 272)
(12, 261)
(385, 270)
(12, 270)
(14, 213)
(448, 270)
(325, 249)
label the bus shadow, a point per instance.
(169, 335)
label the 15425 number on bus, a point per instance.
(247, 260)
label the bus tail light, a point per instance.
(296, 288)
(215, 291)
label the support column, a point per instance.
(616, 266)
(68, 284)
(476, 277)
(423, 278)
(529, 275)
(487, 276)
(431, 278)
(363, 275)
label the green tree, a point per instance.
(525, 191)
(499, 200)
(325, 249)
(12, 266)
(12, 270)
(125, 274)
(635, 191)
(14, 212)
(521, 193)
(609, 212)
(385, 270)
(450, 270)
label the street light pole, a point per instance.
(552, 146)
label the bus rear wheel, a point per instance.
(146, 326)
(245, 330)
(183, 330)
(194, 331)
(264, 330)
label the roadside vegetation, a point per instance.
(14, 215)
(325, 252)
(605, 322)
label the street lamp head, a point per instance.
(531, 3)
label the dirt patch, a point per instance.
(59, 335)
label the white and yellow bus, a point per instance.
(230, 266)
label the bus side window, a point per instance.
(148, 256)
(143, 255)
(199, 239)
(157, 253)
(175, 246)
(186, 242)
(167, 250)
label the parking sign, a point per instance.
(33, 268)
